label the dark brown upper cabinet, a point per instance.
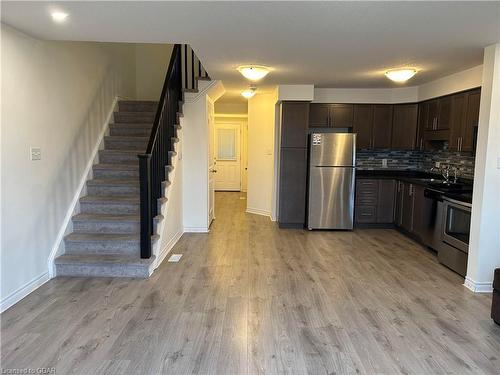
(331, 115)
(432, 114)
(319, 115)
(341, 115)
(363, 125)
(458, 117)
(444, 114)
(404, 126)
(294, 124)
(382, 125)
(471, 121)
(423, 113)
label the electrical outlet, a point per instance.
(384, 163)
(437, 164)
(35, 153)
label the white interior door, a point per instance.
(228, 157)
(211, 163)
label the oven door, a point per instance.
(456, 226)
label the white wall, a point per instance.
(261, 128)
(56, 95)
(397, 95)
(295, 92)
(484, 249)
(151, 63)
(195, 156)
(464, 80)
(231, 108)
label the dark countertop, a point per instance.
(421, 178)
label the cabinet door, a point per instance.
(363, 125)
(398, 204)
(423, 113)
(407, 207)
(385, 206)
(404, 127)
(382, 125)
(418, 206)
(432, 116)
(341, 115)
(444, 115)
(458, 116)
(319, 115)
(293, 180)
(294, 120)
(471, 121)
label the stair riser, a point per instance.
(101, 271)
(108, 208)
(103, 247)
(112, 190)
(112, 144)
(107, 226)
(120, 158)
(137, 107)
(136, 118)
(130, 132)
(113, 173)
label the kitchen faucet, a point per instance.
(445, 172)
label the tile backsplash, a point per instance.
(415, 160)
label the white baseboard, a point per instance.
(196, 230)
(79, 192)
(478, 287)
(168, 247)
(258, 211)
(23, 291)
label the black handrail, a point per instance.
(153, 163)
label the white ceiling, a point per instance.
(329, 44)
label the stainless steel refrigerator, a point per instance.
(332, 169)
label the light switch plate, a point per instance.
(175, 257)
(384, 163)
(35, 153)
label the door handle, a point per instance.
(213, 170)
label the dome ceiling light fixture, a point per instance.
(58, 16)
(400, 75)
(253, 72)
(249, 92)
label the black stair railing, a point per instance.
(184, 69)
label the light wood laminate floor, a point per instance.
(249, 298)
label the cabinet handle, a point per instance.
(421, 144)
(363, 214)
(461, 143)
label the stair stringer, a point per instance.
(168, 229)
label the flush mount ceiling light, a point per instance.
(59, 16)
(248, 93)
(400, 75)
(253, 72)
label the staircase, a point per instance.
(115, 233)
(106, 233)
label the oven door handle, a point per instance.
(463, 205)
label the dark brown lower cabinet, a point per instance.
(407, 207)
(374, 201)
(292, 187)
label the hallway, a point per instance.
(248, 298)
